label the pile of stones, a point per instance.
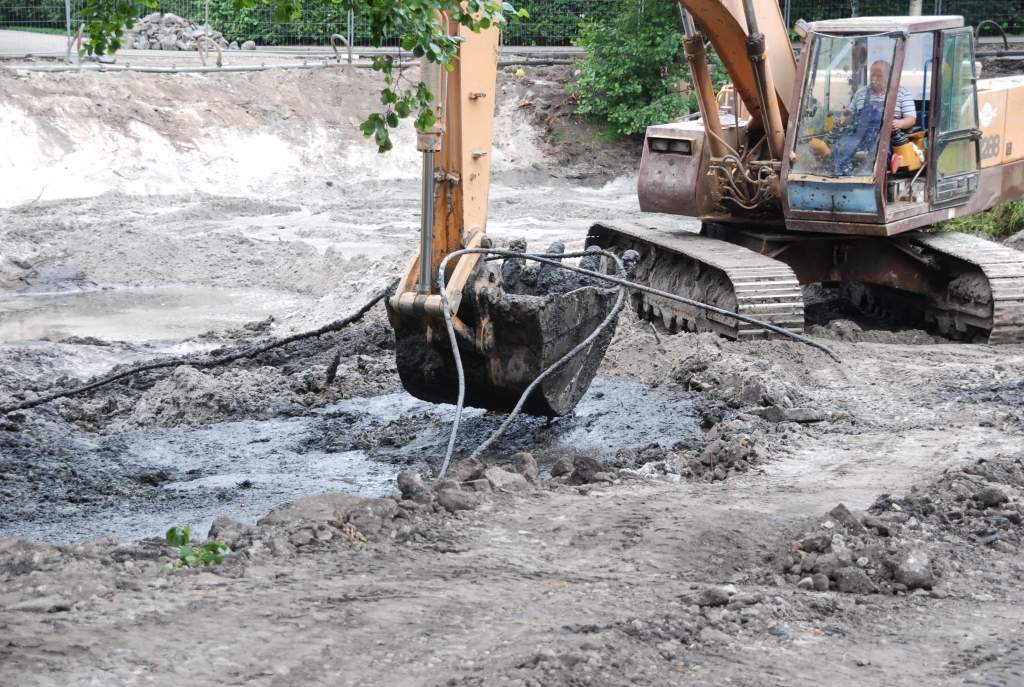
(903, 544)
(168, 31)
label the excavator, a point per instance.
(828, 170)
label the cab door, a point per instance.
(955, 147)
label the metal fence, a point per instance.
(38, 27)
(551, 23)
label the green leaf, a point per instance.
(425, 119)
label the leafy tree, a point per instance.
(417, 22)
(634, 66)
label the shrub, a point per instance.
(634, 65)
(996, 223)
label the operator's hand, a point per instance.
(904, 122)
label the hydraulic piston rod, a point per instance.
(764, 84)
(696, 56)
(426, 223)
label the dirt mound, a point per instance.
(1001, 66)
(848, 330)
(908, 543)
(189, 396)
(536, 111)
(730, 448)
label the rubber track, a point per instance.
(1004, 268)
(765, 288)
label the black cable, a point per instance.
(555, 261)
(201, 363)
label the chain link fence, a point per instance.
(551, 23)
(39, 27)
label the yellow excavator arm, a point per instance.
(457, 152)
(507, 332)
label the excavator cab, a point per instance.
(851, 168)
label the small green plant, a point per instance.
(999, 222)
(189, 556)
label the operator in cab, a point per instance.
(904, 114)
(862, 126)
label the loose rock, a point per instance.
(412, 486)
(453, 500)
(716, 596)
(503, 480)
(842, 515)
(853, 580)
(586, 470)
(562, 466)
(465, 470)
(526, 465)
(915, 570)
(991, 497)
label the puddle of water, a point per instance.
(136, 314)
(246, 469)
(614, 414)
(241, 470)
(80, 361)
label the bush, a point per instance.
(999, 222)
(630, 77)
(40, 13)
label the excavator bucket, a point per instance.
(514, 321)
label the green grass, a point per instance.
(35, 29)
(997, 223)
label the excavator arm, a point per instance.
(762, 70)
(513, 321)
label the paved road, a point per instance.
(21, 43)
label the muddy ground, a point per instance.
(705, 545)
